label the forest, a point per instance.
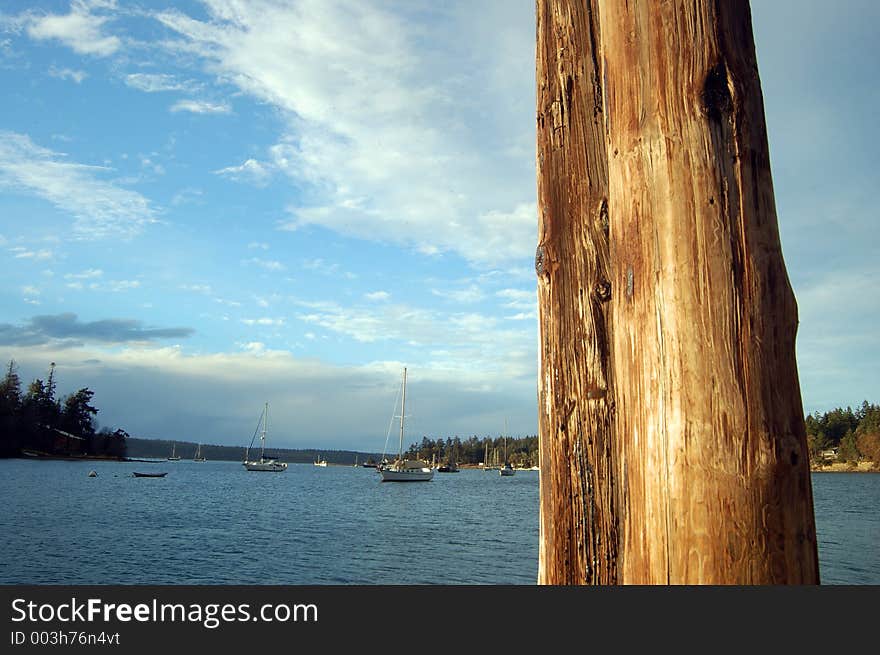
(844, 435)
(36, 423)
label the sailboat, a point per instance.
(320, 462)
(266, 462)
(405, 470)
(174, 456)
(451, 466)
(487, 466)
(198, 456)
(507, 469)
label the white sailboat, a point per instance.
(266, 462)
(198, 456)
(320, 462)
(174, 456)
(507, 469)
(405, 470)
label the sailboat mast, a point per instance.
(402, 414)
(263, 434)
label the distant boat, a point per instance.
(149, 475)
(405, 470)
(174, 456)
(450, 466)
(198, 456)
(266, 462)
(507, 469)
(490, 466)
(320, 462)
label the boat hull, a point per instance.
(408, 475)
(267, 467)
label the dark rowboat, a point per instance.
(149, 475)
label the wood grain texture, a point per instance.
(710, 430)
(576, 413)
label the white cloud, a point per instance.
(378, 296)
(24, 253)
(102, 209)
(519, 299)
(67, 74)
(87, 274)
(471, 294)
(200, 107)
(254, 245)
(117, 286)
(263, 321)
(423, 162)
(267, 264)
(471, 340)
(157, 82)
(80, 30)
(250, 171)
(197, 288)
(30, 290)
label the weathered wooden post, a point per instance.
(672, 412)
(578, 521)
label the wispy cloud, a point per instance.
(378, 296)
(471, 294)
(197, 288)
(519, 299)
(320, 265)
(263, 321)
(267, 264)
(81, 30)
(200, 107)
(415, 164)
(67, 329)
(102, 209)
(20, 252)
(250, 171)
(158, 82)
(67, 74)
(88, 274)
(464, 340)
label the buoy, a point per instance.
(93, 474)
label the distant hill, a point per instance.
(159, 448)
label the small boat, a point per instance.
(266, 462)
(320, 462)
(405, 470)
(507, 469)
(198, 456)
(451, 466)
(174, 456)
(93, 474)
(149, 475)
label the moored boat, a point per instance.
(266, 463)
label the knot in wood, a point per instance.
(539, 260)
(602, 291)
(717, 101)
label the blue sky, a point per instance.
(208, 205)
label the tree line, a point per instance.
(854, 434)
(35, 422)
(521, 451)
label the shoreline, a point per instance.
(861, 467)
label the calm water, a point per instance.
(215, 523)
